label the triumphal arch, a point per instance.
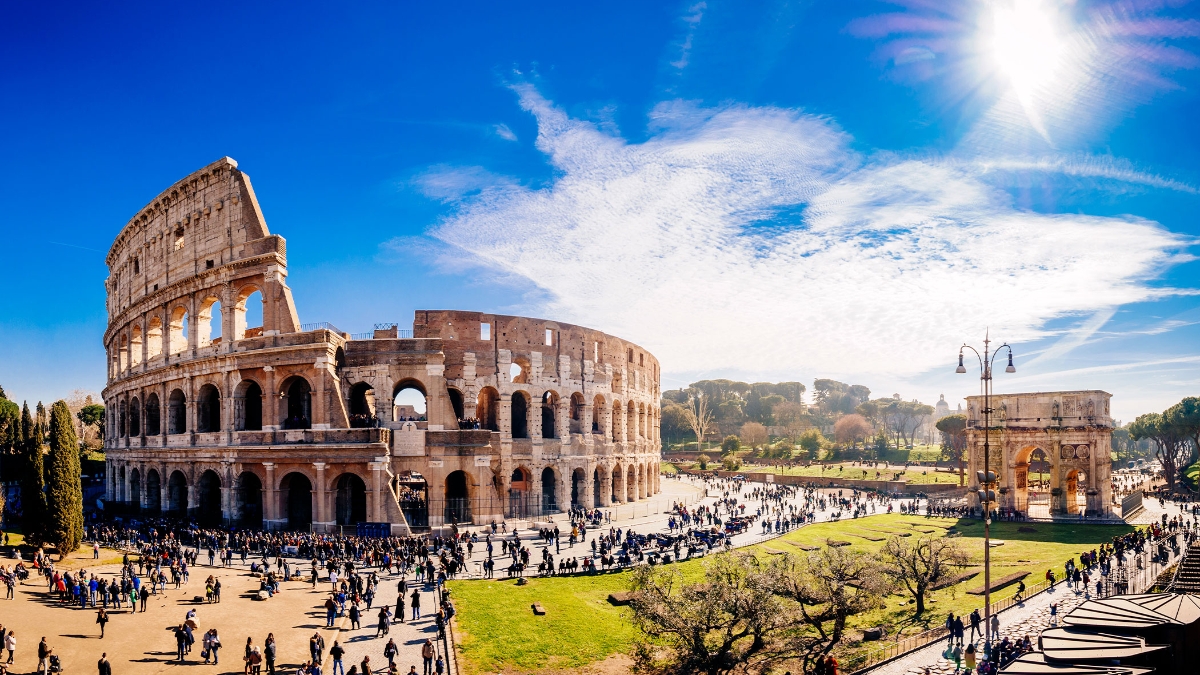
(224, 407)
(1050, 448)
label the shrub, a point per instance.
(703, 459)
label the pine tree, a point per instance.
(33, 495)
(64, 494)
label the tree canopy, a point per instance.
(63, 525)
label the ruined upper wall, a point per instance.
(463, 332)
(203, 221)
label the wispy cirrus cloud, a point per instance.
(756, 239)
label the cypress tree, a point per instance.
(33, 495)
(64, 494)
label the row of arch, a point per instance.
(204, 502)
(133, 417)
(173, 333)
(630, 483)
(618, 422)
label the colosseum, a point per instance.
(465, 418)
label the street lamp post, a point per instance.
(987, 479)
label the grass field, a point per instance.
(914, 475)
(581, 628)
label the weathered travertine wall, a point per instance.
(279, 423)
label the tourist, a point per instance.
(384, 620)
(336, 652)
(269, 653)
(101, 619)
(181, 642)
(214, 645)
(10, 643)
(970, 658)
(427, 654)
(103, 667)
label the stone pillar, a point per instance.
(585, 419)
(164, 489)
(319, 515)
(606, 487)
(535, 492)
(588, 500)
(534, 419)
(271, 497)
(376, 491)
(563, 492)
(193, 499)
(562, 419)
(110, 476)
(504, 415)
(144, 499)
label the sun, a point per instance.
(1027, 48)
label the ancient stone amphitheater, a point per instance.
(299, 426)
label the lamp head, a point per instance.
(1011, 368)
(961, 368)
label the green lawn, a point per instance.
(498, 632)
(915, 475)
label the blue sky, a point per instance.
(776, 190)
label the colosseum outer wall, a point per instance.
(290, 425)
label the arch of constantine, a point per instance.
(298, 426)
(1049, 449)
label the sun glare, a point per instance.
(1025, 43)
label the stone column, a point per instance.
(227, 492)
(535, 492)
(144, 499)
(110, 475)
(534, 419)
(164, 489)
(319, 515)
(588, 500)
(271, 497)
(505, 417)
(562, 419)
(585, 419)
(563, 492)
(193, 499)
(606, 488)
(377, 491)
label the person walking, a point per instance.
(102, 619)
(389, 652)
(246, 656)
(214, 645)
(269, 653)
(975, 619)
(427, 654)
(181, 642)
(399, 607)
(355, 617)
(416, 604)
(44, 652)
(336, 653)
(383, 622)
(10, 643)
(103, 667)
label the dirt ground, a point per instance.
(144, 643)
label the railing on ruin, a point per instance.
(320, 325)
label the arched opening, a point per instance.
(208, 412)
(487, 411)
(249, 497)
(351, 500)
(177, 495)
(154, 338)
(457, 402)
(598, 408)
(518, 494)
(458, 502)
(179, 330)
(297, 404)
(549, 403)
(577, 421)
(177, 412)
(135, 488)
(123, 353)
(549, 491)
(518, 372)
(408, 402)
(153, 420)
(208, 499)
(1071, 491)
(630, 484)
(1031, 490)
(339, 359)
(121, 484)
(248, 406)
(135, 347)
(596, 488)
(295, 491)
(616, 421)
(641, 421)
(122, 419)
(520, 414)
(208, 322)
(153, 492)
(135, 417)
(577, 487)
(618, 485)
(248, 314)
(362, 406)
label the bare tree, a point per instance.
(954, 441)
(753, 434)
(920, 564)
(699, 417)
(851, 429)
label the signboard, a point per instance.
(483, 460)
(436, 463)
(408, 441)
(380, 530)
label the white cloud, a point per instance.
(504, 132)
(692, 19)
(756, 239)
(449, 183)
